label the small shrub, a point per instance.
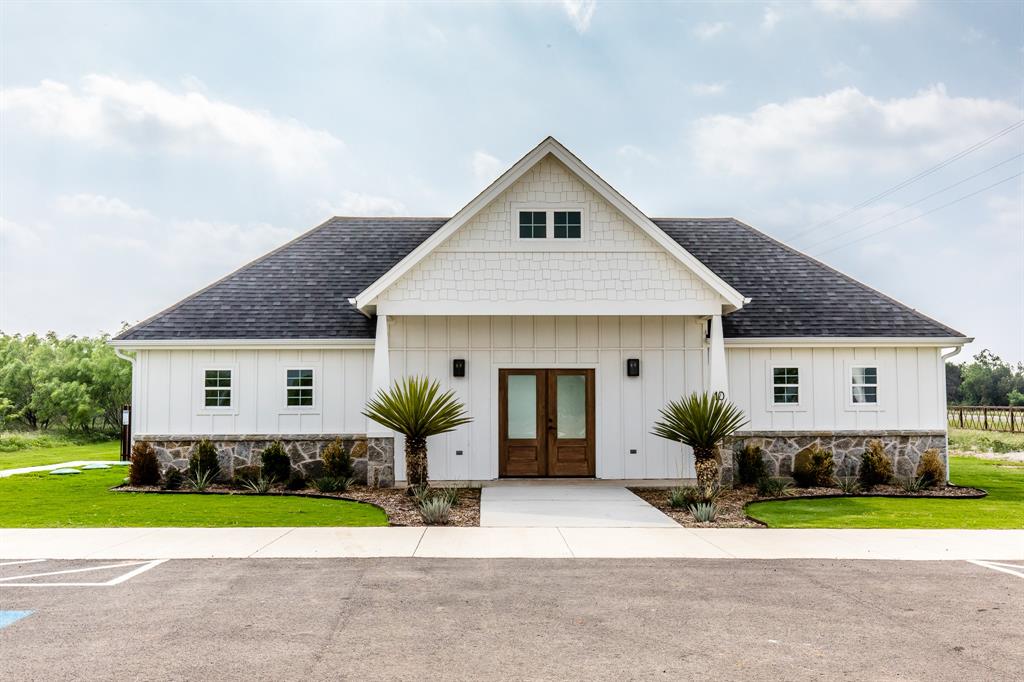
(930, 469)
(773, 487)
(144, 469)
(750, 466)
(337, 460)
(201, 481)
(204, 460)
(277, 466)
(704, 512)
(421, 493)
(875, 466)
(683, 497)
(331, 484)
(435, 510)
(244, 474)
(911, 484)
(296, 482)
(813, 467)
(172, 479)
(849, 485)
(259, 486)
(450, 494)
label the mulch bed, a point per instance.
(400, 507)
(732, 502)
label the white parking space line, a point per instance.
(1012, 569)
(23, 561)
(140, 567)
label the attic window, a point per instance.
(548, 223)
(568, 224)
(533, 224)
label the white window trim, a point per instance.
(848, 387)
(800, 405)
(300, 409)
(201, 389)
(549, 209)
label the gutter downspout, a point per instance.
(945, 356)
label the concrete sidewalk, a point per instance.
(439, 542)
(567, 506)
(4, 473)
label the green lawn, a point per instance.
(32, 457)
(1002, 508)
(84, 500)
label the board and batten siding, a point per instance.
(672, 360)
(911, 393)
(168, 392)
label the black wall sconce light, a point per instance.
(458, 367)
(633, 367)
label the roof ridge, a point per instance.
(387, 217)
(256, 261)
(856, 282)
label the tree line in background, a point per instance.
(986, 380)
(74, 383)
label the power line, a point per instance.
(923, 174)
(913, 203)
(918, 217)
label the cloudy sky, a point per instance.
(149, 149)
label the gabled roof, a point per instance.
(551, 146)
(302, 290)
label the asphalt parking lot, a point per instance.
(367, 619)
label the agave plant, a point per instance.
(203, 479)
(702, 422)
(415, 408)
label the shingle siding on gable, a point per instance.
(614, 260)
(301, 290)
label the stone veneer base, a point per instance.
(373, 458)
(780, 447)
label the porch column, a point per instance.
(718, 377)
(381, 372)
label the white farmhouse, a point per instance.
(563, 317)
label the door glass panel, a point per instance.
(572, 406)
(522, 406)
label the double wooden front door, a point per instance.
(545, 422)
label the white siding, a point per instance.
(484, 269)
(168, 392)
(672, 364)
(910, 388)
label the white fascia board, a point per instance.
(475, 308)
(848, 341)
(551, 146)
(247, 344)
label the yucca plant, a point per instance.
(202, 480)
(259, 486)
(415, 408)
(704, 512)
(702, 422)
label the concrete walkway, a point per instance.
(678, 542)
(4, 473)
(567, 506)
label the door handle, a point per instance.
(551, 424)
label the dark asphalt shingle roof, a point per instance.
(301, 290)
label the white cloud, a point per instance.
(357, 204)
(770, 19)
(707, 89)
(486, 168)
(107, 111)
(866, 9)
(709, 30)
(12, 233)
(99, 205)
(580, 13)
(632, 152)
(840, 71)
(846, 132)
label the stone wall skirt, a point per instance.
(903, 447)
(373, 459)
